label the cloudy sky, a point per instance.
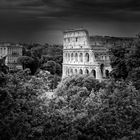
(45, 20)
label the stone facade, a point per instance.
(81, 55)
(11, 52)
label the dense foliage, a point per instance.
(125, 61)
(37, 56)
(21, 102)
(79, 81)
(81, 106)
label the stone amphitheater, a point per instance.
(84, 54)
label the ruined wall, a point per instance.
(79, 56)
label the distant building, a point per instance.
(11, 52)
(84, 54)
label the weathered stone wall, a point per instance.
(79, 57)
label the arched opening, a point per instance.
(93, 72)
(68, 71)
(81, 71)
(87, 57)
(71, 71)
(76, 57)
(66, 56)
(107, 73)
(75, 71)
(102, 69)
(86, 71)
(81, 57)
(71, 56)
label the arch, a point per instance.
(81, 57)
(86, 71)
(107, 73)
(80, 71)
(76, 57)
(102, 57)
(102, 69)
(71, 56)
(65, 54)
(87, 57)
(68, 71)
(75, 71)
(66, 57)
(71, 71)
(93, 72)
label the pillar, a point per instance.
(64, 74)
(98, 73)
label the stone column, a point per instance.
(63, 72)
(70, 58)
(98, 73)
(63, 57)
(84, 58)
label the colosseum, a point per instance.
(84, 54)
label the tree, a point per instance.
(3, 67)
(53, 81)
(58, 69)
(37, 51)
(125, 59)
(134, 76)
(133, 58)
(109, 112)
(3, 79)
(89, 82)
(46, 58)
(58, 59)
(25, 61)
(29, 62)
(133, 63)
(118, 63)
(52, 67)
(41, 54)
(118, 115)
(21, 106)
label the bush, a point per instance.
(81, 81)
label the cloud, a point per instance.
(29, 17)
(20, 3)
(21, 9)
(99, 9)
(82, 4)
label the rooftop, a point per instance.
(5, 44)
(75, 30)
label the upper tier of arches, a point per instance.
(77, 57)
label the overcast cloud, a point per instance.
(45, 20)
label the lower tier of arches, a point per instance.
(68, 71)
